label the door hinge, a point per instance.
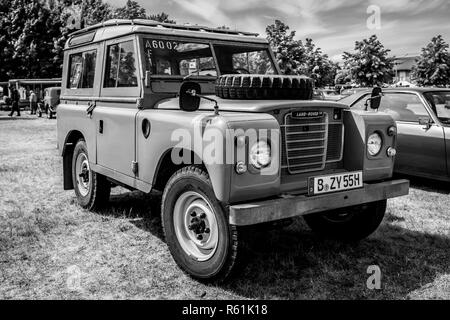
(140, 103)
(90, 109)
(134, 167)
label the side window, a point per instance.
(121, 66)
(403, 106)
(82, 70)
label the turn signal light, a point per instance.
(392, 131)
(391, 152)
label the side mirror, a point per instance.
(189, 99)
(425, 121)
(375, 99)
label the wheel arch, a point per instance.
(166, 168)
(217, 174)
(67, 154)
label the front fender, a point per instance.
(358, 126)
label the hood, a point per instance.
(256, 106)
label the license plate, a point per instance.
(335, 182)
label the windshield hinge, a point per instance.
(140, 103)
(135, 167)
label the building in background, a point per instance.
(403, 66)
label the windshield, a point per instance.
(234, 59)
(178, 58)
(440, 102)
(190, 58)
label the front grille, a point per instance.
(310, 143)
(335, 141)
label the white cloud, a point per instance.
(335, 25)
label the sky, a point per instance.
(404, 26)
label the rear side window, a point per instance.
(82, 70)
(121, 66)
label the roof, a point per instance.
(121, 27)
(351, 99)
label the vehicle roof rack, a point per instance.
(157, 24)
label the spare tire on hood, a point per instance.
(264, 87)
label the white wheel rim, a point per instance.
(83, 174)
(196, 225)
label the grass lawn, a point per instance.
(52, 249)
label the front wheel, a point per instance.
(195, 224)
(348, 224)
(92, 189)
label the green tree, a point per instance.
(6, 43)
(343, 76)
(27, 37)
(131, 10)
(161, 17)
(317, 65)
(88, 12)
(369, 65)
(433, 65)
(289, 52)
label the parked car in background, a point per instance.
(318, 95)
(330, 95)
(340, 87)
(5, 103)
(24, 86)
(51, 100)
(423, 124)
(352, 91)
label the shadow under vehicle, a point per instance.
(205, 116)
(423, 123)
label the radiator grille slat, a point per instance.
(310, 143)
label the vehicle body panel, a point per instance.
(289, 207)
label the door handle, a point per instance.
(100, 127)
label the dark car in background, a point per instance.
(423, 123)
(51, 100)
(352, 91)
(330, 95)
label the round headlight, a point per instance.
(260, 156)
(374, 144)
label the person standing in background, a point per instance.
(33, 102)
(14, 100)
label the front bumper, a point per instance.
(293, 206)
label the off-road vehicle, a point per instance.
(205, 116)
